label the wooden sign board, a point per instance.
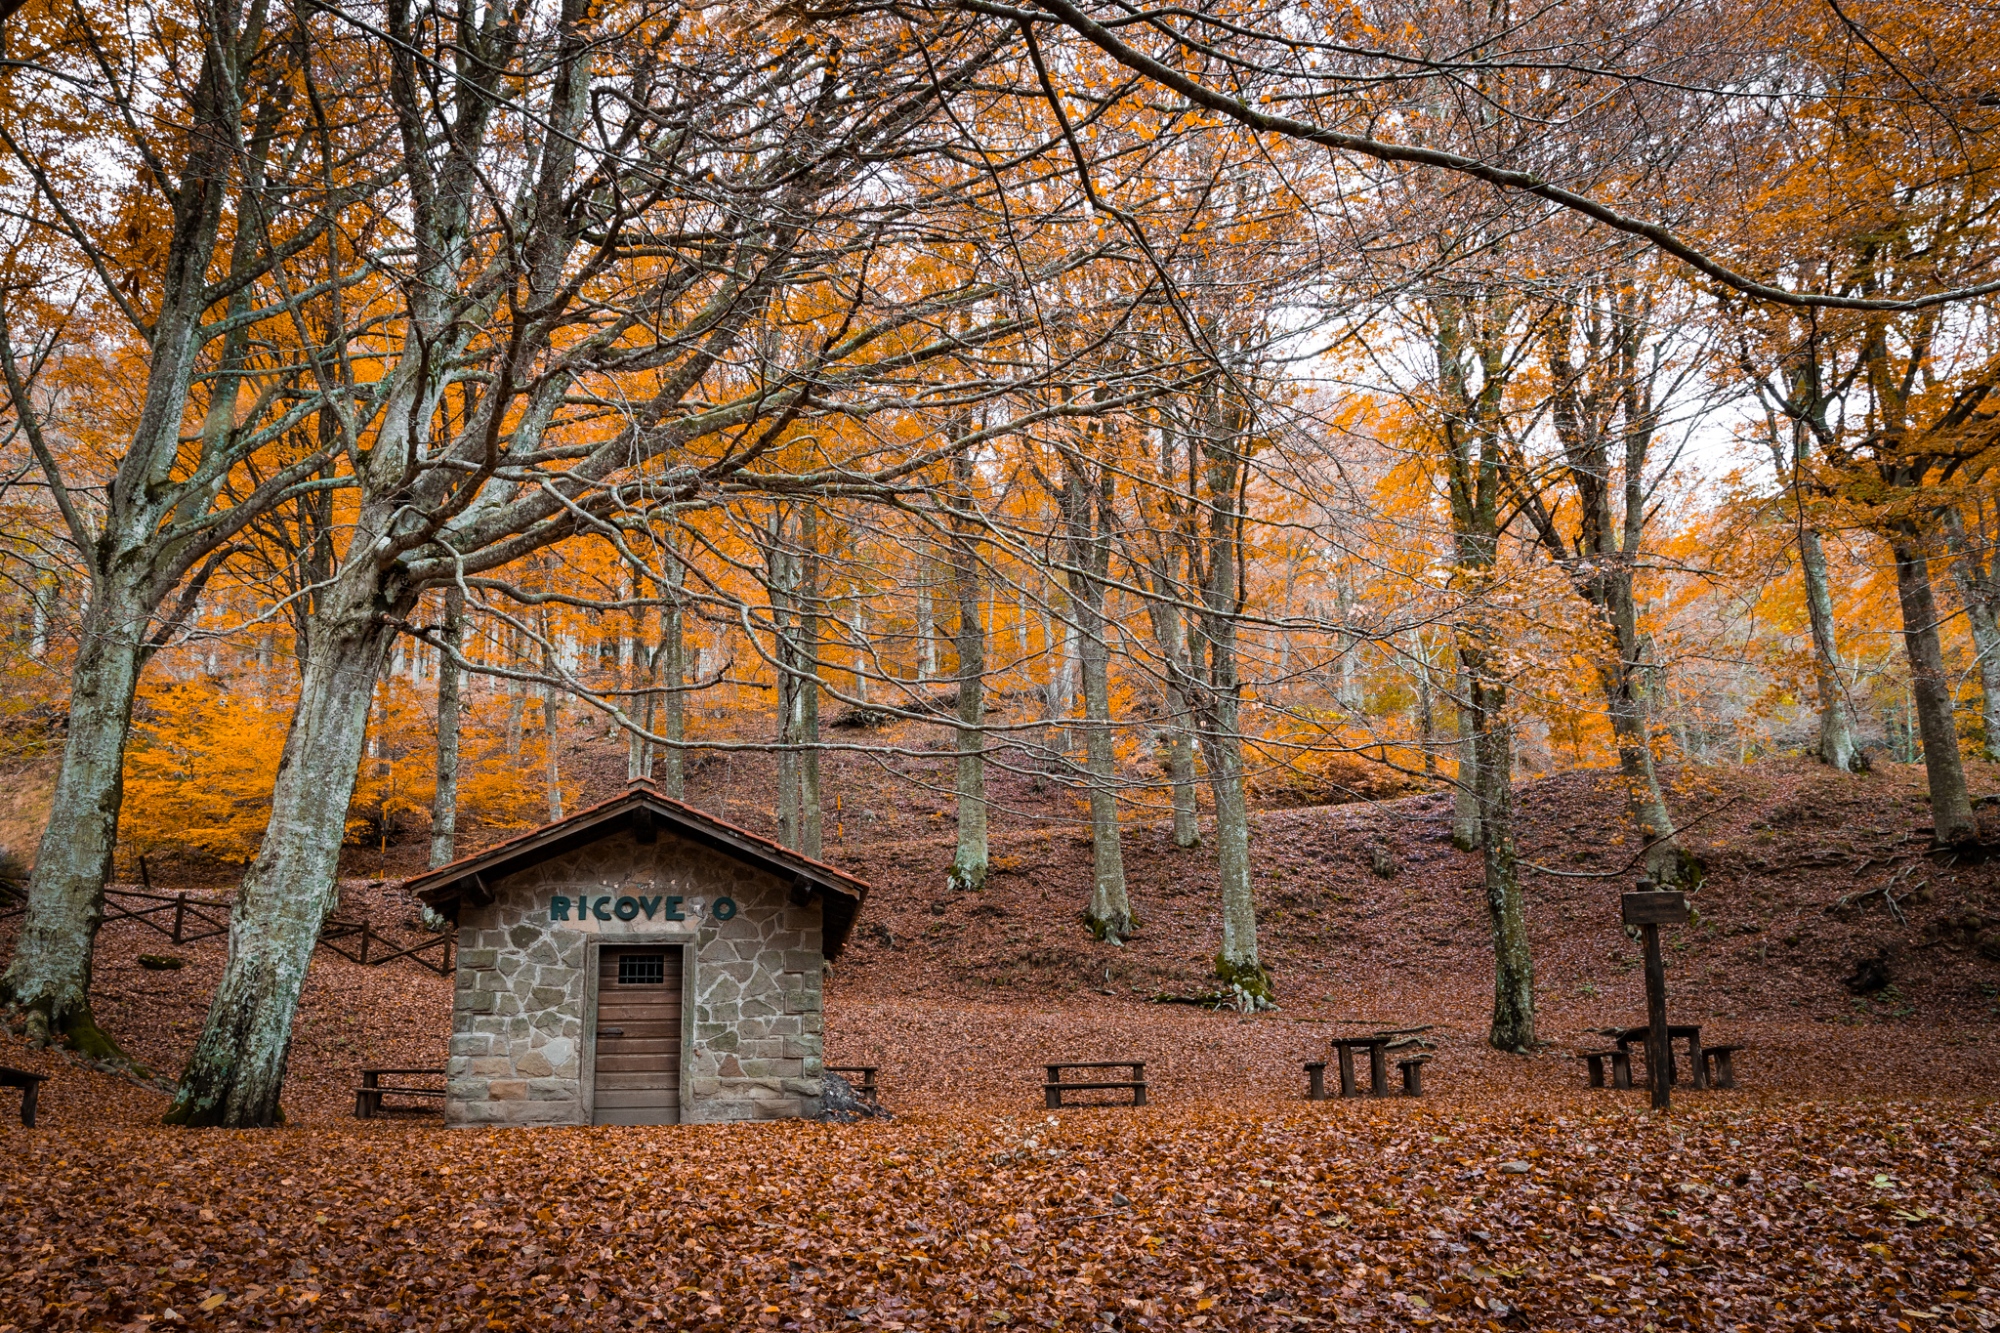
(1655, 909)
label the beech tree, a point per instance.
(207, 263)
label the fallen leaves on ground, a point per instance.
(1365, 1214)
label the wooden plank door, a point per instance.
(638, 1074)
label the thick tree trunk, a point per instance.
(50, 975)
(1839, 747)
(1930, 686)
(1514, 969)
(969, 860)
(237, 1071)
(444, 801)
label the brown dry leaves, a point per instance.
(1199, 1216)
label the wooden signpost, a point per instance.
(1649, 909)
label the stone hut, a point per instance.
(638, 963)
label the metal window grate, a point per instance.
(642, 969)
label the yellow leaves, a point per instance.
(213, 1303)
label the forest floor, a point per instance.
(1850, 1182)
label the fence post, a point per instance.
(180, 908)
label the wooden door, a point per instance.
(638, 1075)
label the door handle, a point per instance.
(611, 1032)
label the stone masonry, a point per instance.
(518, 1047)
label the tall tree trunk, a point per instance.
(1465, 790)
(1220, 692)
(1426, 708)
(1839, 747)
(50, 975)
(444, 801)
(1514, 971)
(1170, 633)
(517, 699)
(811, 819)
(794, 593)
(1237, 964)
(968, 863)
(1975, 588)
(1088, 515)
(1180, 771)
(1665, 861)
(551, 727)
(237, 1072)
(926, 629)
(1930, 686)
(670, 673)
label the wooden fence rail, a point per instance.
(185, 918)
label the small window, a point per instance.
(642, 969)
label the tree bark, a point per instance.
(1088, 515)
(1930, 687)
(1465, 790)
(1239, 961)
(1513, 1026)
(1220, 694)
(551, 727)
(444, 801)
(1665, 862)
(50, 975)
(969, 860)
(794, 596)
(670, 673)
(1975, 588)
(237, 1072)
(1839, 747)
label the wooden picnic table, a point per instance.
(1378, 1075)
(1642, 1034)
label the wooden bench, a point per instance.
(31, 1090)
(1413, 1074)
(1720, 1061)
(1315, 1080)
(368, 1097)
(1053, 1090)
(1621, 1067)
(866, 1087)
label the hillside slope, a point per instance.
(960, 997)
